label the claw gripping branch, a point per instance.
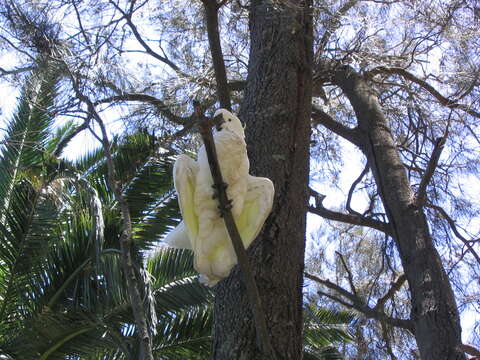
(204, 126)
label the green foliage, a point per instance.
(62, 291)
(323, 328)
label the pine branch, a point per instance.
(161, 107)
(253, 294)
(349, 273)
(352, 189)
(128, 18)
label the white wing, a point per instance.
(257, 207)
(216, 263)
(184, 177)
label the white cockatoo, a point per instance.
(203, 229)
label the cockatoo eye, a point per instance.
(229, 120)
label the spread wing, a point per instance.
(257, 206)
(184, 174)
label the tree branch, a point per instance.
(321, 117)
(211, 12)
(393, 289)
(352, 189)
(471, 350)
(126, 236)
(443, 100)
(359, 305)
(333, 24)
(353, 219)
(138, 36)
(152, 100)
(430, 170)
(451, 222)
(16, 71)
(349, 273)
(252, 290)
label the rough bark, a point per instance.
(434, 310)
(276, 110)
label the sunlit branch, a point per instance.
(394, 288)
(333, 24)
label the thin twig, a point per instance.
(253, 294)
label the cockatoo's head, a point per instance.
(231, 122)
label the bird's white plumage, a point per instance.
(202, 228)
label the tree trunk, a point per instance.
(434, 310)
(276, 109)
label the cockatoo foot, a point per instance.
(217, 188)
(224, 208)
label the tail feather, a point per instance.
(178, 238)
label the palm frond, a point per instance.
(323, 327)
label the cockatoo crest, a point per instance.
(202, 228)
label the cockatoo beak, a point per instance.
(219, 120)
